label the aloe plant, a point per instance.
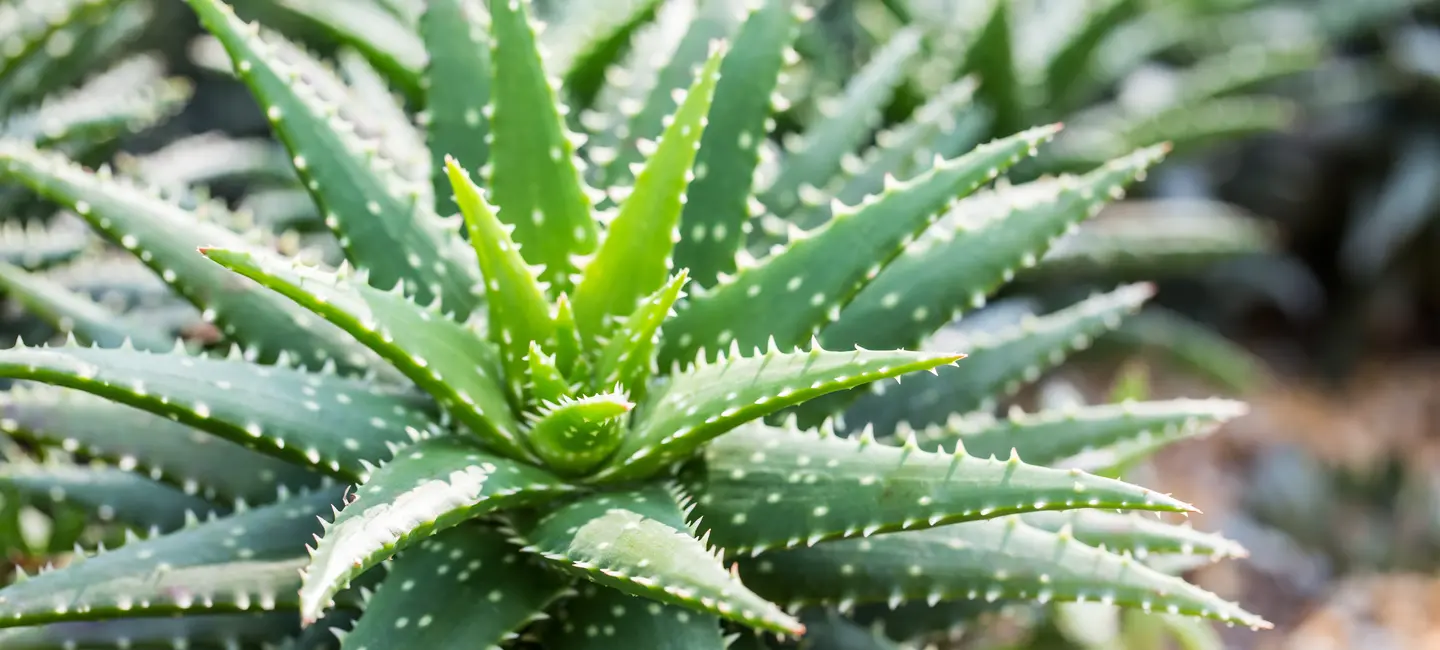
(575, 416)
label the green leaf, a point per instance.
(762, 487)
(990, 560)
(444, 358)
(628, 358)
(792, 294)
(817, 158)
(380, 228)
(36, 246)
(1152, 239)
(333, 424)
(117, 280)
(534, 180)
(428, 487)
(106, 494)
(829, 629)
(517, 312)
(164, 236)
(210, 158)
(573, 436)
(72, 313)
(660, 76)
(200, 631)
(131, 94)
(637, 542)
(28, 27)
(1000, 363)
(569, 351)
(546, 383)
(457, 91)
(1187, 127)
(153, 445)
(1049, 437)
(385, 40)
(636, 255)
(475, 590)
(587, 40)
(1191, 346)
(710, 399)
(973, 251)
(717, 205)
(1135, 534)
(244, 562)
(1068, 74)
(991, 58)
(600, 618)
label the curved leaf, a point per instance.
(1049, 437)
(150, 444)
(637, 542)
(381, 228)
(790, 296)
(428, 487)
(244, 562)
(441, 356)
(711, 399)
(1000, 363)
(1134, 534)
(575, 435)
(333, 424)
(982, 560)
(457, 91)
(105, 493)
(164, 236)
(762, 487)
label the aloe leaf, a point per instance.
(628, 358)
(587, 40)
(636, 255)
(627, 148)
(149, 444)
(1000, 363)
(1134, 534)
(164, 236)
(1068, 73)
(72, 313)
(1048, 437)
(334, 424)
(1150, 239)
(817, 158)
(96, 112)
(380, 228)
(534, 179)
(251, 629)
(1192, 346)
(637, 542)
(210, 158)
(794, 293)
(401, 140)
(441, 356)
(991, 58)
(106, 494)
(1241, 68)
(516, 309)
(711, 399)
(989, 560)
(117, 280)
(429, 487)
(761, 487)
(717, 206)
(573, 436)
(1187, 127)
(244, 562)
(36, 246)
(28, 26)
(829, 629)
(974, 250)
(599, 618)
(94, 37)
(390, 44)
(544, 380)
(477, 591)
(457, 91)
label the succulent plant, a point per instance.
(599, 421)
